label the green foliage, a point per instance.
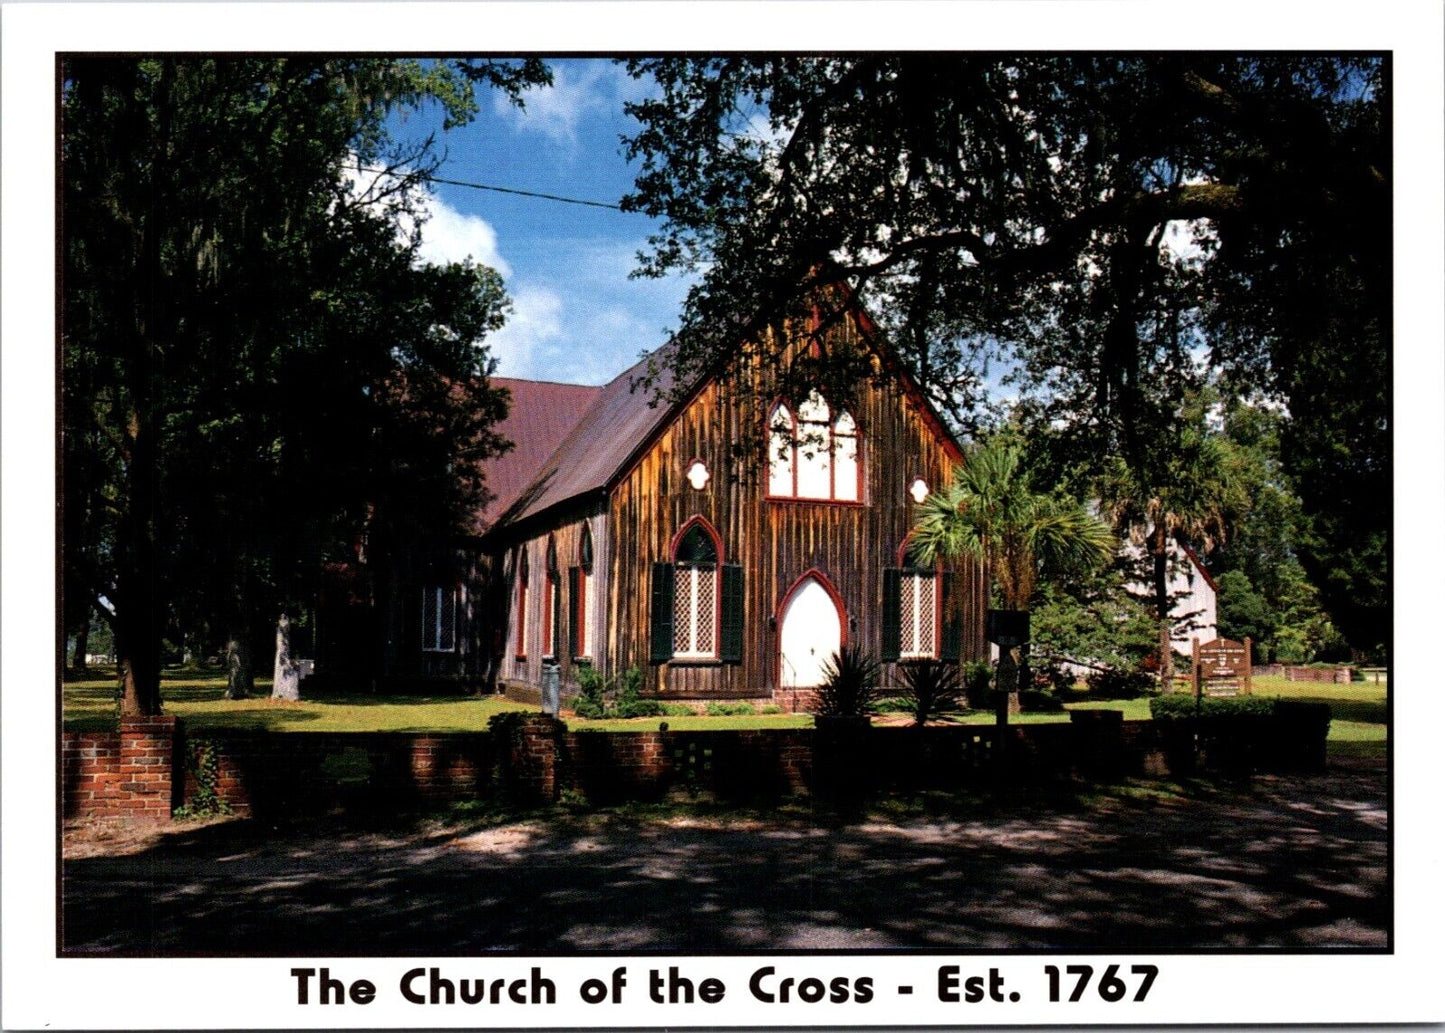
(730, 709)
(930, 688)
(1033, 701)
(678, 710)
(591, 700)
(1093, 620)
(1178, 705)
(1054, 678)
(770, 708)
(991, 513)
(850, 683)
(977, 684)
(629, 702)
(1239, 204)
(1121, 684)
(203, 762)
(239, 314)
(891, 705)
(625, 690)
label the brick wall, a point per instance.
(149, 766)
(130, 772)
(1331, 675)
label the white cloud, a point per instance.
(579, 89)
(535, 322)
(448, 235)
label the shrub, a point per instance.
(850, 684)
(1053, 678)
(591, 701)
(638, 708)
(730, 710)
(678, 710)
(591, 698)
(1176, 706)
(771, 708)
(1121, 684)
(978, 684)
(930, 687)
(1032, 701)
(891, 705)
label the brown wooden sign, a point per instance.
(1222, 660)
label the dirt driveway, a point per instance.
(1293, 861)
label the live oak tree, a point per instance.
(256, 368)
(1106, 232)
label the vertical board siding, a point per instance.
(569, 538)
(775, 541)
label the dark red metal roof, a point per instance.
(620, 420)
(541, 416)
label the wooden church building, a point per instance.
(724, 538)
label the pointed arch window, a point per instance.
(813, 453)
(695, 596)
(523, 572)
(551, 601)
(697, 600)
(580, 592)
(918, 621)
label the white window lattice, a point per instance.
(918, 617)
(694, 629)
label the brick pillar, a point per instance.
(526, 752)
(148, 784)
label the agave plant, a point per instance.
(850, 684)
(931, 687)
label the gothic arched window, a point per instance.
(813, 453)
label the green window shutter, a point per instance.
(892, 616)
(951, 641)
(730, 650)
(662, 580)
(573, 598)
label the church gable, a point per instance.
(806, 497)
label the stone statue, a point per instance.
(286, 683)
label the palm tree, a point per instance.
(991, 513)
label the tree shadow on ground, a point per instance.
(1292, 862)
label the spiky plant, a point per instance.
(931, 687)
(850, 683)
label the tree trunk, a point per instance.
(139, 645)
(1161, 601)
(240, 673)
(82, 647)
(1008, 685)
(1161, 575)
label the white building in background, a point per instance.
(1196, 602)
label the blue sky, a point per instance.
(577, 317)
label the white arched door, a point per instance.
(812, 631)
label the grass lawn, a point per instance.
(91, 706)
(691, 724)
(1359, 726)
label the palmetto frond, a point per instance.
(990, 513)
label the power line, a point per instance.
(504, 190)
(529, 193)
